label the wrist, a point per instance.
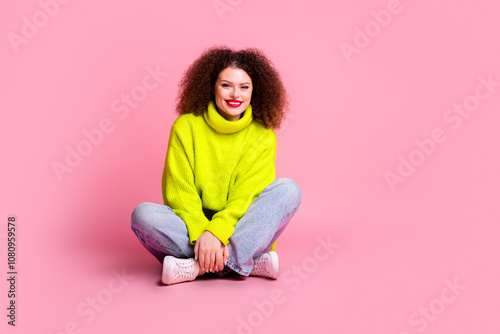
(212, 234)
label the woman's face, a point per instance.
(233, 91)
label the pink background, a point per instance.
(351, 119)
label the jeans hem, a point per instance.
(237, 269)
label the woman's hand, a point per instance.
(226, 254)
(210, 252)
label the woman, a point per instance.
(223, 209)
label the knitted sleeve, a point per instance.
(178, 187)
(254, 173)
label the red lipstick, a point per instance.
(233, 103)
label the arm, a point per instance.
(178, 187)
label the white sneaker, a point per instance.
(266, 265)
(179, 270)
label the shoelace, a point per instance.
(186, 269)
(260, 265)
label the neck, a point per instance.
(223, 125)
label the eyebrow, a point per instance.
(244, 83)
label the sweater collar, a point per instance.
(219, 123)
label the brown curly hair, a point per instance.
(269, 97)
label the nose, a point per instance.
(235, 93)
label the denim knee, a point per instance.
(291, 190)
(141, 216)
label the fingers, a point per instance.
(204, 259)
(226, 254)
(219, 261)
(207, 259)
(211, 263)
(201, 259)
(210, 252)
(222, 257)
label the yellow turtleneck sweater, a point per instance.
(218, 165)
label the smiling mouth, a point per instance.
(233, 103)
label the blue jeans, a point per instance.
(162, 232)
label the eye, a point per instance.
(225, 85)
(245, 87)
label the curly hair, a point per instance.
(269, 97)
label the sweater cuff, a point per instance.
(221, 228)
(194, 235)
